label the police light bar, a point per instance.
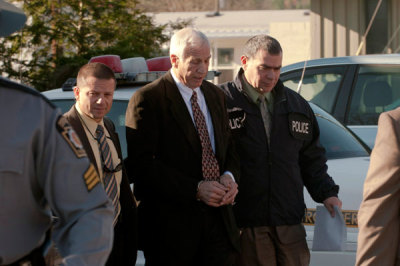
(134, 65)
(112, 61)
(130, 78)
(134, 71)
(162, 63)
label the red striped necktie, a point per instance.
(208, 160)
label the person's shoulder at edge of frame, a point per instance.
(8, 84)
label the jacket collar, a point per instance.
(74, 119)
(181, 113)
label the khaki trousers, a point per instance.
(274, 245)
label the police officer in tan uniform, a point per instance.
(44, 171)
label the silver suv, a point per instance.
(354, 89)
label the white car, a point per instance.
(348, 159)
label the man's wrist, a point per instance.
(230, 174)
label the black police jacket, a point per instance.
(273, 177)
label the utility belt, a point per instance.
(35, 258)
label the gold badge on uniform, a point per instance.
(91, 178)
(70, 136)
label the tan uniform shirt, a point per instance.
(90, 126)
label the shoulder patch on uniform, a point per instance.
(70, 137)
(91, 178)
(300, 126)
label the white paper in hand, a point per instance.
(330, 234)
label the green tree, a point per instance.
(60, 36)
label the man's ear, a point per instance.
(243, 59)
(174, 60)
(76, 93)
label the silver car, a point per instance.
(354, 89)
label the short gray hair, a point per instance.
(261, 42)
(186, 37)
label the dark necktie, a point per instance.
(208, 161)
(266, 116)
(110, 182)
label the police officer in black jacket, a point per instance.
(277, 138)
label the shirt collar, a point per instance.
(91, 125)
(253, 93)
(185, 91)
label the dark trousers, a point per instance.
(199, 239)
(122, 253)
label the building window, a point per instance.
(225, 56)
(225, 76)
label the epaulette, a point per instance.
(6, 83)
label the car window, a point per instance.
(376, 90)
(318, 88)
(338, 141)
(116, 114)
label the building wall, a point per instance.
(295, 40)
(338, 26)
(233, 28)
(394, 29)
(228, 70)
